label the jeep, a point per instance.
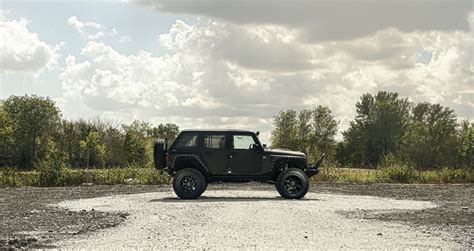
(199, 157)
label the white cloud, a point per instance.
(4, 15)
(88, 30)
(94, 31)
(227, 75)
(23, 51)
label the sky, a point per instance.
(235, 64)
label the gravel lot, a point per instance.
(239, 215)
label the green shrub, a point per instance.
(450, 175)
(328, 173)
(446, 175)
(331, 173)
(9, 178)
(51, 172)
(396, 174)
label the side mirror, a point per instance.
(256, 147)
(257, 133)
(264, 146)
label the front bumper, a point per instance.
(314, 169)
(311, 171)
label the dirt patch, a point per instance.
(27, 220)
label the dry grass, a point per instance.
(73, 177)
(147, 176)
(394, 174)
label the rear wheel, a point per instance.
(292, 184)
(189, 183)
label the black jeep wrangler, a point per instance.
(199, 157)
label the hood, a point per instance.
(284, 152)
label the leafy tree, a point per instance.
(92, 150)
(136, 144)
(304, 130)
(162, 131)
(34, 121)
(69, 142)
(285, 134)
(309, 131)
(466, 144)
(113, 140)
(379, 126)
(351, 151)
(51, 169)
(431, 138)
(324, 129)
(6, 138)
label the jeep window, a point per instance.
(243, 142)
(187, 140)
(214, 141)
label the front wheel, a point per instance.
(189, 183)
(292, 184)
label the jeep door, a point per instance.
(245, 155)
(215, 151)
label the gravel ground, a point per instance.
(28, 220)
(236, 214)
(250, 219)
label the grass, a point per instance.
(74, 177)
(333, 174)
(147, 176)
(394, 174)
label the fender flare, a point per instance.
(194, 157)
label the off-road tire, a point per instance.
(189, 183)
(292, 183)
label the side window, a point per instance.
(243, 141)
(187, 140)
(214, 141)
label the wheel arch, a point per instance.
(189, 161)
(283, 163)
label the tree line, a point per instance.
(386, 128)
(32, 130)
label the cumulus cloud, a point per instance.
(94, 31)
(88, 30)
(266, 47)
(227, 75)
(22, 50)
(329, 20)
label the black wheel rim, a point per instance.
(188, 184)
(293, 184)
